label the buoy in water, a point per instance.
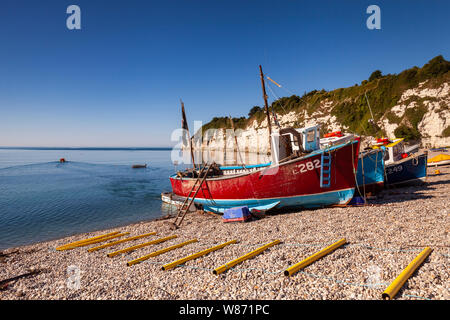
(62, 160)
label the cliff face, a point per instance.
(414, 104)
(435, 120)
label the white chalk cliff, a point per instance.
(436, 118)
(413, 104)
(254, 138)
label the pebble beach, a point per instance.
(382, 237)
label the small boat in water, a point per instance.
(139, 166)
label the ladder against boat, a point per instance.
(196, 187)
(325, 170)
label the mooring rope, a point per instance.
(354, 174)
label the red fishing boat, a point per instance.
(300, 175)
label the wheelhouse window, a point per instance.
(310, 136)
(397, 151)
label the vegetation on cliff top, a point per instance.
(349, 105)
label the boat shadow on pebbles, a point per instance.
(406, 193)
(439, 182)
(434, 183)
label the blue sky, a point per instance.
(118, 80)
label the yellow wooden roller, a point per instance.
(85, 240)
(83, 244)
(121, 241)
(249, 255)
(115, 253)
(195, 255)
(395, 286)
(157, 253)
(306, 262)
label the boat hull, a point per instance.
(293, 184)
(438, 163)
(370, 174)
(411, 170)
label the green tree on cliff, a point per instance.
(375, 75)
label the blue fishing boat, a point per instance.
(402, 168)
(370, 170)
(370, 173)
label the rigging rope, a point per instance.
(280, 86)
(273, 111)
(356, 180)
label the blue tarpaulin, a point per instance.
(356, 201)
(236, 214)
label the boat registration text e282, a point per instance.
(305, 166)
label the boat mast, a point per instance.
(185, 127)
(236, 141)
(266, 106)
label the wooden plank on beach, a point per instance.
(121, 241)
(4, 283)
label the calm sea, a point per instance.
(41, 199)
